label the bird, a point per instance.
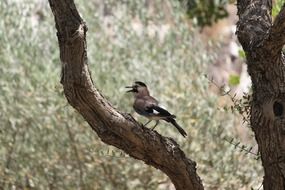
(147, 106)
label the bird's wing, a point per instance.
(144, 105)
(159, 111)
(148, 106)
(151, 106)
(141, 106)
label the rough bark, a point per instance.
(113, 127)
(262, 42)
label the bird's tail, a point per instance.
(173, 122)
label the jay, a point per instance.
(147, 106)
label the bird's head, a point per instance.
(138, 89)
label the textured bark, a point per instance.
(113, 127)
(262, 42)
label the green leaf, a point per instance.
(241, 53)
(276, 8)
(234, 80)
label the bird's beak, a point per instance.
(131, 90)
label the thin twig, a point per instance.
(243, 148)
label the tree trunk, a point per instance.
(113, 127)
(262, 42)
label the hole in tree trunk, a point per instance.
(277, 109)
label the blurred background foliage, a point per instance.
(207, 12)
(45, 144)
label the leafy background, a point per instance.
(45, 144)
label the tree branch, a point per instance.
(276, 38)
(114, 128)
(266, 66)
(254, 22)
